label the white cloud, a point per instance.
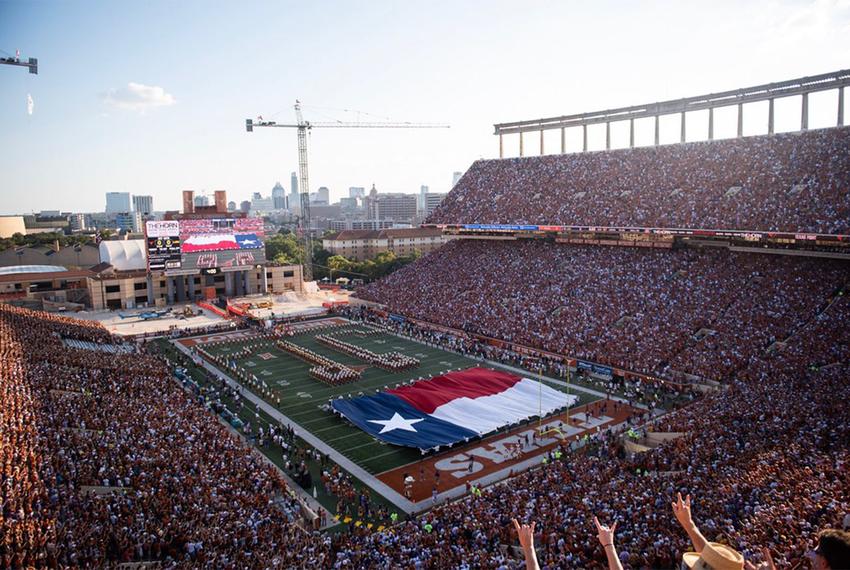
(138, 97)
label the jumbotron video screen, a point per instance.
(204, 244)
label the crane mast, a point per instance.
(302, 127)
(304, 220)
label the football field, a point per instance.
(304, 400)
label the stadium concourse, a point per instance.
(106, 460)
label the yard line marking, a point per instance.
(373, 442)
(330, 441)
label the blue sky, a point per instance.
(151, 97)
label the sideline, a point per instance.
(527, 373)
(367, 478)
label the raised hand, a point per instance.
(526, 534)
(766, 564)
(605, 533)
(682, 510)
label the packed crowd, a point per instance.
(104, 459)
(325, 369)
(667, 313)
(650, 391)
(792, 182)
(768, 459)
(391, 361)
(351, 501)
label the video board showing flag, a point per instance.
(450, 408)
(205, 243)
(221, 234)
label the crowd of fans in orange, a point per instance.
(104, 458)
(656, 312)
(791, 182)
(171, 483)
(767, 459)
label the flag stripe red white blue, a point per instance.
(452, 407)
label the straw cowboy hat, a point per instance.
(714, 556)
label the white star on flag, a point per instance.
(397, 422)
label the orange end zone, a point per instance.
(471, 462)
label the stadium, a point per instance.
(606, 334)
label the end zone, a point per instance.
(503, 455)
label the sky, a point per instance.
(151, 97)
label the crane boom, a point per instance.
(303, 126)
(31, 63)
(344, 125)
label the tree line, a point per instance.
(286, 249)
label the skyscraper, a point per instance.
(294, 199)
(423, 191)
(118, 202)
(432, 201)
(143, 204)
(129, 221)
(323, 195)
(202, 200)
(392, 206)
(279, 196)
(356, 192)
(455, 177)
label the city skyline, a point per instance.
(157, 117)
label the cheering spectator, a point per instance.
(525, 534)
(605, 535)
(833, 551)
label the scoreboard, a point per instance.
(163, 244)
(204, 244)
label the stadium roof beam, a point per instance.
(767, 92)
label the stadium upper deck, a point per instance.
(792, 182)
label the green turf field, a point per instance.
(301, 397)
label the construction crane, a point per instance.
(303, 126)
(32, 63)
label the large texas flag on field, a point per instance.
(450, 408)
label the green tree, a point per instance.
(284, 249)
(339, 263)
